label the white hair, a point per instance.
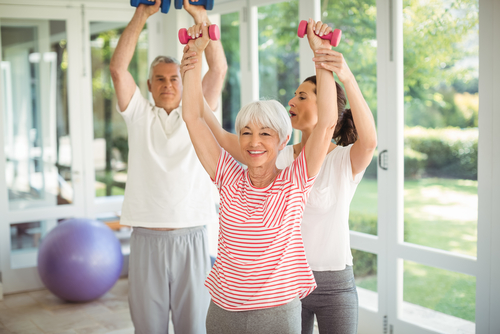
(269, 114)
(162, 59)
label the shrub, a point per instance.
(365, 264)
(447, 152)
(451, 152)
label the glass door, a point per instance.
(40, 170)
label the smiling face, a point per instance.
(166, 86)
(260, 145)
(303, 107)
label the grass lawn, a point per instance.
(438, 213)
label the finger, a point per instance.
(328, 51)
(199, 30)
(323, 28)
(317, 27)
(310, 28)
(327, 29)
(205, 30)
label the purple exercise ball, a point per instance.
(80, 260)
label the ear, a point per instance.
(149, 85)
(283, 144)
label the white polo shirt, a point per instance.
(167, 187)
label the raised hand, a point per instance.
(199, 13)
(333, 61)
(321, 29)
(200, 33)
(149, 10)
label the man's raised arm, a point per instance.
(122, 79)
(216, 59)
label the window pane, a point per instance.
(278, 51)
(445, 299)
(110, 130)
(36, 120)
(365, 274)
(25, 239)
(357, 20)
(441, 43)
(231, 95)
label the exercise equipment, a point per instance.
(334, 36)
(164, 7)
(165, 4)
(213, 33)
(209, 4)
(80, 260)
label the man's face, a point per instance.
(166, 86)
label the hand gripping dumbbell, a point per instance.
(213, 33)
(209, 4)
(333, 36)
(164, 8)
(165, 4)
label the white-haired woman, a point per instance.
(261, 270)
(325, 227)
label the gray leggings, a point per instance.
(335, 303)
(284, 319)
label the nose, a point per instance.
(291, 103)
(255, 140)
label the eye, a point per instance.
(265, 134)
(301, 98)
(245, 133)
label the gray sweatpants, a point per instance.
(335, 303)
(167, 270)
(284, 319)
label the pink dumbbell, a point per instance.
(333, 36)
(213, 33)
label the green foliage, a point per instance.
(357, 20)
(279, 51)
(365, 264)
(451, 152)
(414, 162)
(447, 152)
(231, 95)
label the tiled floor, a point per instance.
(42, 312)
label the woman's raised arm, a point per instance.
(204, 142)
(363, 148)
(321, 136)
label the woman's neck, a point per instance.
(261, 176)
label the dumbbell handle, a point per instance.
(213, 33)
(333, 36)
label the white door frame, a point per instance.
(15, 280)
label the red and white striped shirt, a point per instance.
(261, 260)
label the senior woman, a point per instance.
(261, 270)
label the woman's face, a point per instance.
(303, 107)
(260, 145)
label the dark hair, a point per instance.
(345, 132)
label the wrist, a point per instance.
(200, 18)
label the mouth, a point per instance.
(256, 153)
(292, 114)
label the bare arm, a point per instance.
(216, 59)
(321, 136)
(363, 148)
(122, 79)
(205, 145)
(229, 141)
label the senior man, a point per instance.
(168, 195)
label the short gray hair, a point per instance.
(162, 59)
(269, 114)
